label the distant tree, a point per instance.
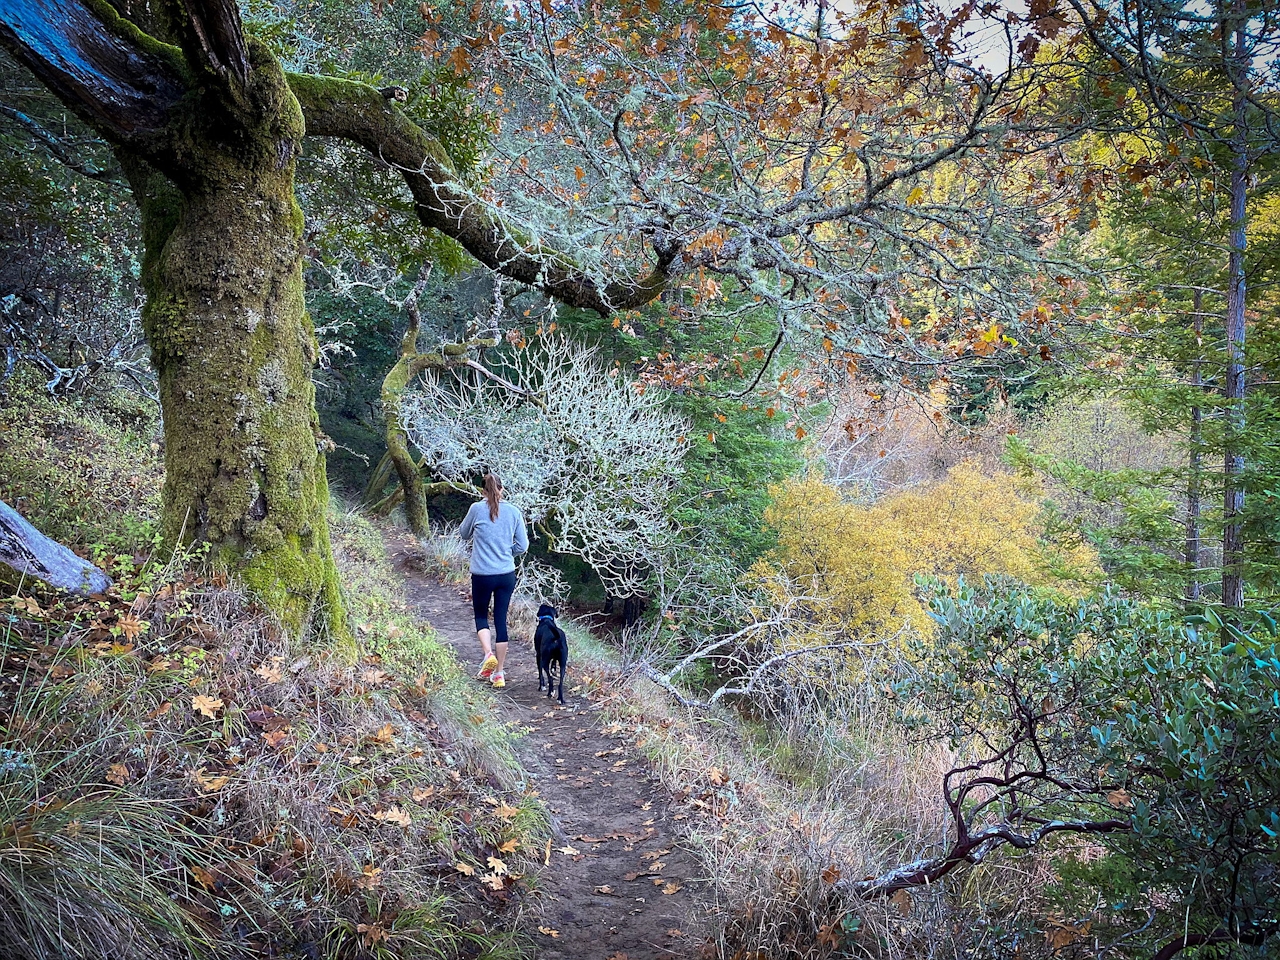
(591, 460)
(1200, 77)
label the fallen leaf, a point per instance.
(131, 626)
(496, 865)
(716, 776)
(465, 869)
(207, 705)
(372, 933)
(493, 881)
(272, 671)
(831, 874)
(393, 815)
(549, 932)
(605, 889)
(567, 851)
(546, 854)
(203, 876)
(672, 887)
(506, 812)
(509, 847)
(275, 738)
(385, 734)
(375, 677)
(209, 783)
(902, 903)
(118, 773)
(426, 793)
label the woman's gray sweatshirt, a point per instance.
(494, 542)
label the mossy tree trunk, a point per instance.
(233, 348)
(208, 127)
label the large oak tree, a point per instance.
(207, 127)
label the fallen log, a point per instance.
(27, 555)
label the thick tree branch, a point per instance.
(359, 113)
(118, 80)
(216, 38)
(60, 150)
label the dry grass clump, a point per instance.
(293, 800)
(781, 809)
(442, 556)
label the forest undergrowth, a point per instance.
(181, 778)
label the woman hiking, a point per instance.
(497, 531)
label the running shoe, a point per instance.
(486, 669)
(499, 680)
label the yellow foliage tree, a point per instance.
(849, 568)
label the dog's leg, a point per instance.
(564, 666)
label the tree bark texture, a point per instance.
(394, 384)
(1195, 457)
(233, 348)
(1233, 466)
(28, 557)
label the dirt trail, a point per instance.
(628, 890)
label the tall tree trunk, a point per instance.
(233, 347)
(1233, 466)
(1195, 457)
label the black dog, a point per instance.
(550, 645)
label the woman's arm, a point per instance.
(521, 543)
(468, 528)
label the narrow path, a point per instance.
(619, 886)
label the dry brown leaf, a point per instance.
(831, 874)
(672, 887)
(118, 773)
(511, 846)
(393, 815)
(386, 733)
(374, 677)
(902, 903)
(207, 705)
(1120, 798)
(426, 793)
(567, 851)
(493, 881)
(209, 783)
(546, 855)
(605, 889)
(272, 671)
(372, 933)
(496, 865)
(465, 869)
(716, 776)
(634, 875)
(549, 932)
(131, 626)
(506, 812)
(203, 876)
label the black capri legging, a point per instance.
(499, 586)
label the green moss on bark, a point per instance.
(234, 348)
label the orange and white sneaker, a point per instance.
(499, 680)
(486, 669)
